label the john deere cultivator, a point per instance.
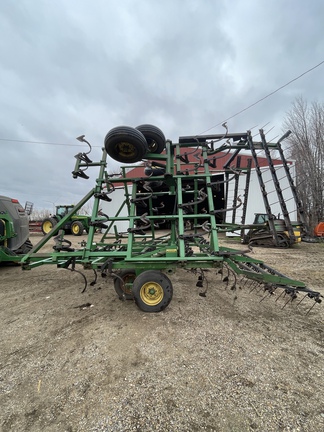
(173, 216)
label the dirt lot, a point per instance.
(224, 362)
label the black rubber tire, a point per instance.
(283, 241)
(126, 144)
(48, 224)
(77, 228)
(25, 248)
(128, 276)
(2, 230)
(154, 136)
(152, 291)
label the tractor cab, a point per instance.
(62, 210)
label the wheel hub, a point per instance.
(151, 293)
(126, 149)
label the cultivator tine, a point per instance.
(264, 297)
(270, 291)
(234, 207)
(261, 288)
(283, 292)
(246, 280)
(293, 296)
(71, 261)
(302, 299)
(254, 285)
(95, 278)
(311, 308)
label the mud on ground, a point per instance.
(224, 362)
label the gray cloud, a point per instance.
(81, 67)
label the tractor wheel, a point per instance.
(25, 248)
(77, 228)
(126, 144)
(283, 241)
(154, 137)
(124, 289)
(2, 230)
(48, 224)
(152, 291)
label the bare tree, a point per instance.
(39, 214)
(306, 147)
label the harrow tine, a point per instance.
(264, 297)
(302, 299)
(254, 285)
(293, 295)
(245, 282)
(283, 292)
(311, 308)
(260, 288)
(270, 291)
(286, 303)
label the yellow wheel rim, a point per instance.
(47, 226)
(126, 149)
(151, 293)
(75, 229)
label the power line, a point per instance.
(43, 142)
(265, 97)
(218, 124)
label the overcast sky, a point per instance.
(72, 67)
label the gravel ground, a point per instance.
(224, 362)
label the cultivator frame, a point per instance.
(190, 241)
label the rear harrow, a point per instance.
(176, 188)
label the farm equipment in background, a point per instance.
(319, 230)
(14, 230)
(29, 206)
(260, 233)
(180, 197)
(75, 225)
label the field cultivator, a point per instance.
(173, 212)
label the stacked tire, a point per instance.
(129, 145)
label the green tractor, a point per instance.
(75, 225)
(14, 230)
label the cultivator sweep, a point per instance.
(173, 207)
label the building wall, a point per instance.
(111, 208)
(255, 197)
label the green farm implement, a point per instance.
(173, 218)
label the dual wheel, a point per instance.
(152, 290)
(128, 145)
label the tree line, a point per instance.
(306, 146)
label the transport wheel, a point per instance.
(77, 228)
(48, 224)
(126, 144)
(152, 291)
(124, 290)
(154, 136)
